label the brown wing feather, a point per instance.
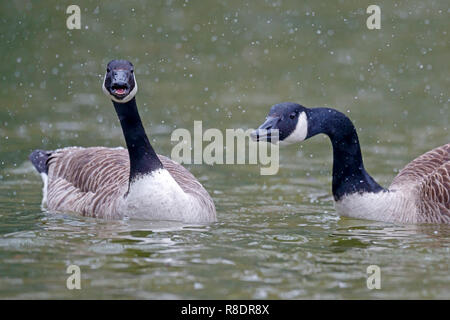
(93, 181)
(434, 193)
(89, 181)
(429, 177)
(422, 166)
(90, 169)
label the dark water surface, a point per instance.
(225, 63)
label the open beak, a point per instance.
(119, 84)
(268, 131)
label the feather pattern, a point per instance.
(428, 179)
(94, 182)
(420, 193)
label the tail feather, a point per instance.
(39, 159)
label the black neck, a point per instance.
(143, 159)
(349, 175)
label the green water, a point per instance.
(225, 63)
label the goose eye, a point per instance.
(292, 115)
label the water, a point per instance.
(226, 63)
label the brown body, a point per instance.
(94, 181)
(428, 179)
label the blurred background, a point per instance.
(225, 63)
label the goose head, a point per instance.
(120, 83)
(286, 123)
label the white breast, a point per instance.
(390, 206)
(45, 188)
(157, 196)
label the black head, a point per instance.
(120, 83)
(286, 120)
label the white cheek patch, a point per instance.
(300, 132)
(127, 98)
(132, 93)
(104, 88)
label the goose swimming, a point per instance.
(420, 193)
(116, 183)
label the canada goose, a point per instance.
(419, 194)
(118, 183)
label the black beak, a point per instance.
(120, 82)
(266, 131)
(120, 77)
